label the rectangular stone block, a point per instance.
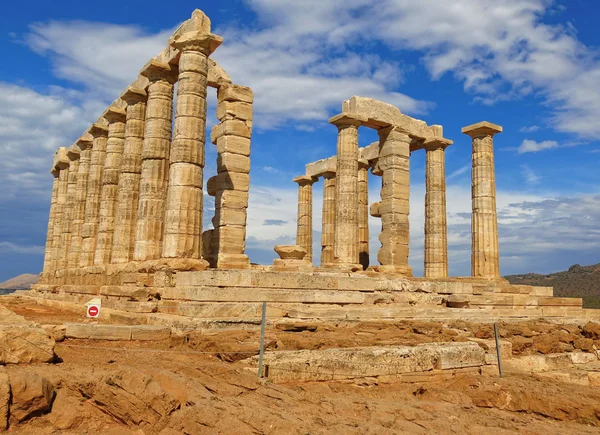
(90, 331)
(150, 332)
(233, 181)
(231, 92)
(235, 109)
(234, 145)
(216, 278)
(233, 127)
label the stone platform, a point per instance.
(238, 294)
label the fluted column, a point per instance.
(363, 213)
(48, 254)
(394, 163)
(89, 230)
(78, 217)
(155, 161)
(62, 165)
(128, 191)
(110, 184)
(304, 231)
(485, 261)
(345, 245)
(73, 154)
(184, 209)
(436, 231)
(328, 218)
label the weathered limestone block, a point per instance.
(374, 210)
(31, 394)
(485, 255)
(304, 227)
(328, 218)
(155, 161)
(395, 193)
(62, 165)
(89, 229)
(293, 252)
(128, 191)
(4, 398)
(22, 341)
(233, 144)
(346, 214)
(235, 93)
(110, 184)
(436, 231)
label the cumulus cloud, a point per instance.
(530, 129)
(531, 146)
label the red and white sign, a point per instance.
(93, 311)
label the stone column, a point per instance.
(485, 257)
(78, 217)
(155, 161)
(394, 163)
(232, 137)
(110, 183)
(184, 209)
(89, 230)
(69, 210)
(436, 232)
(305, 231)
(328, 218)
(62, 165)
(128, 192)
(48, 253)
(363, 213)
(345, 244)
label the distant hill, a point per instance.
(21, 282)
(578, 281)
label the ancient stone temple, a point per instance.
(127, 208)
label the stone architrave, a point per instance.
(110, 184)
(73, 154)
(89, 230)
(363, 213)
(485, 257)
(304, 234)
(232, 138)
(394, 163)
(345, 244)
(155, 161)
(184, 209)
(48, 254)
(328, 218)
(78, 217)
(436, 231)
(128, 191)
(62, 165)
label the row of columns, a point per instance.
(345, 234)
(131, 189)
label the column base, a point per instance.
(173, 264)
(343, 267)
(291, 265)
(232, 261)
(400, 270)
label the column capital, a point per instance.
(55, 172)
(363, 164)
(115, 114)
(73, 152)
(328, 175)
(392, 129)
(98, 130)
(133, 95)
(304, 180)
(197, 40)
(61, 160)
(85, 141)
(156, 70)
(435, 143)
(483, 128)
(346, 120)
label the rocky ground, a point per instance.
(198, 383)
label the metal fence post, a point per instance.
(262, 340)
(498, 349)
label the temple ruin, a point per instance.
(126, 213)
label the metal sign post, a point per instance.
(262, 340)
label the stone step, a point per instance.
(510, 300)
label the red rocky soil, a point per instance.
(196, 384)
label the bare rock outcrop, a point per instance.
(31, 395)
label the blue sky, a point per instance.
(532, 66)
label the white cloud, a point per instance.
(530, 129)
(531, 146)
(460, 171)
(530, 176)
